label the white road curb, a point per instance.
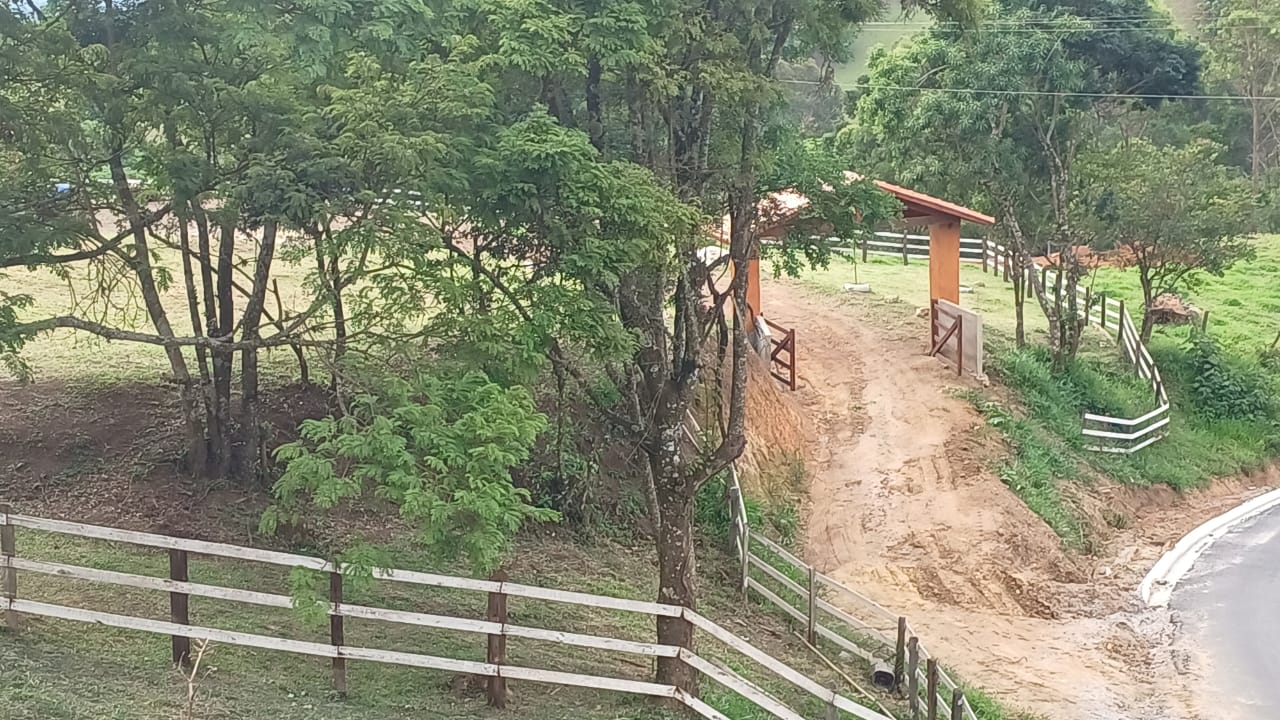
(1158, 585)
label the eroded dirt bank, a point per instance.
(905, 507)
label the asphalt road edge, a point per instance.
(1157, 586)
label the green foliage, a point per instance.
(1225, 388)
(1038, 466)
(439, 448)
(1174, 209)
(711, 510)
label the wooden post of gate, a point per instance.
(959, 345)
(178, 607)
(337, 634)
(932, 688)
(744, 560)
(795, 358)
(1120, 334)
(811, 627)
(8, 548)
(497, 651)
(957, 704)
(900, 654)
(1103, 295)
(913, 676)
(984, 256)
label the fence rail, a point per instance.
(495, 627)
(783, 342)
(826, 608)
(1106, 433)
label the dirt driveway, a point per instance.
(905, 507)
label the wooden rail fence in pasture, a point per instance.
(495, 628)
(832, 613)
(1105, 433)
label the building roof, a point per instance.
(933, 206)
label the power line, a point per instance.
(1042, 93)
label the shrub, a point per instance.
(1225, 388)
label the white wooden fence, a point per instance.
(496, 670)
(1105, 433)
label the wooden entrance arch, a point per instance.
(943, 219)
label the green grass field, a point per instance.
(1243, 304)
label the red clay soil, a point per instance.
(905, 507)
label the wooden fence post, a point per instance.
(1103, 295)
(1088, 302)
(744, 561)
(913, 676)
(900, 654)
(1204, 321)
(832, 713)
(8, 548)
(984, 256)
(811, 628)
(904, 247)
(337, 634)
(1120, 334)
(795, 358)
(178, 607)
(957, 704)
(932, 688)
(959, 346)
(497, 651)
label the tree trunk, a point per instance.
(140, 262)
(1255, 145)
(200, 460)
(1019, 279)
(222, 360)
(251, 433)
(676, 578)
(1148, 303)
(215, 408)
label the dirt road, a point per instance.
(905, 507)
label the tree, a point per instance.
(996, 120)
(998, 149)
(1174, 209)
(1246, 50)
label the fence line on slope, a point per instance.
(871, 631)
(882, 641)
(495, 628)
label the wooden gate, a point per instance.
(782, 341)
(947, 335)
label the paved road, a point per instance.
(1230, 610)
